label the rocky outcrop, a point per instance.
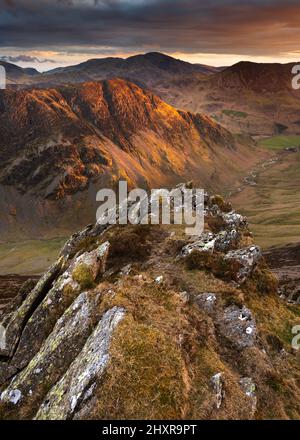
(218, 387)
(238, 326)
(140, 321)
(78, 383)
(247, 260)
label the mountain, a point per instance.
(59, 146)
(247, 97)
(18, 75)
(154, 61)
(143, 69)
(252, 98)
(144, 322)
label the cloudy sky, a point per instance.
(50, 33)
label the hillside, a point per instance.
(59, 146)
(145, 322)
(253, 98)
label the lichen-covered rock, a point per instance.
(247, 259)
(238, 326)
(95, 260)
(207, 302)
(217, 383)
(226, 240)
(205, 243)
(75, 386)
(249, 389)
(6, 371)
(234, 220)
(209, 242)
(15, 322)
(63, 292)
(53, 359)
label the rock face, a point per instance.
(247, 259)
(238, 327)
(78, 383)
(139, 322)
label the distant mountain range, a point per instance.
(59, 146)
(257, 99)
(146, 67)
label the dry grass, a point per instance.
(144, 376)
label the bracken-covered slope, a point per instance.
(146, 322)
(59, 146)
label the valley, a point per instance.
(271, 201)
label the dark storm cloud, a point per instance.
(190, 26)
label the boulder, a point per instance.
(53, 359)
(238, 326)
(246, 259)
(207, 302)
(249, 388)
(217, 383)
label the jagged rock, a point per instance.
(247, 259)
(209, 242)
(225, 240)
(63, 292)
(238, 326)
(73, 242)
(20, 297)
(75, 386)
(206, 301)
(206, 243)
(234, 220)
(15, 322)
(217, 382)
(157, 365)
(54, 357)
(249, 389)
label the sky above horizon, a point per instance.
(46, 34)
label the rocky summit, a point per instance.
(141, 321)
